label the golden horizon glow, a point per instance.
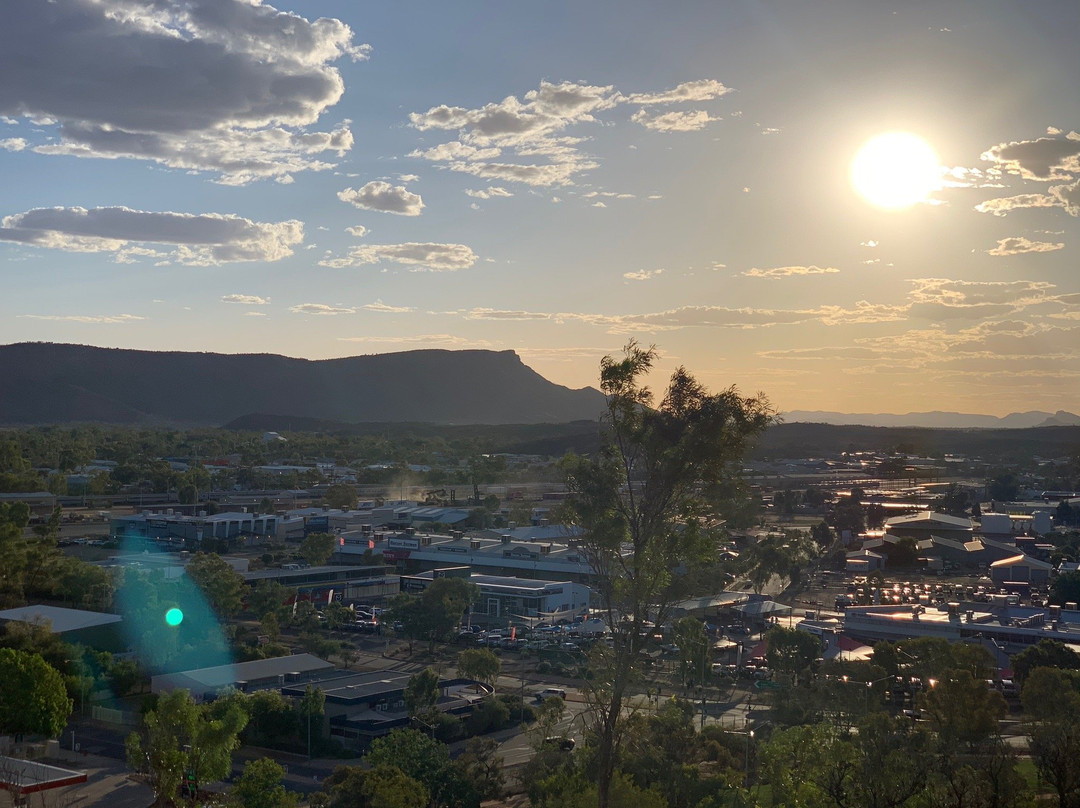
(895, 170)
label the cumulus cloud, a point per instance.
(433, 256)
(357, 230)
(643, 274)
(320, 309)
(487, 193)
(1017, 245)
(228, 86)
(246, 300)
(384, 197)
(502, 140)
(787, 272)
(88, 319)
(1046, 158)
(700, 90)
(13, 144)
(689, 121)
(197, 240)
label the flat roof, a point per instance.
(224, 675)
(283, 573)
(357, 686)
(61, 619)
(29, 776)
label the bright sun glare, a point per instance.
(895, 170)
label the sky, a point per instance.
(327, 178)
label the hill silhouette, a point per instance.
(46, 383)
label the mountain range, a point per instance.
(48, 383)
(936, 420)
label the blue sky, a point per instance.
(323, 179)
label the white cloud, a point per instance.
(1016, 245)
(501, 314)
(689, 121)
(255, 314)
(787, 272)
(320, 309)
(487, 193)
(383, 308)
(246, 300)
(228, 86)
(408, 177)
(1002, 205)
(384, 197)
(643, 275)
(196, 240)
(499, 140)
(436, 257)
(357, 230)
(700, 90)
(13, 144)
(88, 319)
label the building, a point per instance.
(502, 598)
(169, 527)
(1020, 568)
(370, 584)
(928, 523)
(259, 674)
(363, 705)
(1004, 627)
(97, 630)
(419, 552)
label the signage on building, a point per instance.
(403, 544)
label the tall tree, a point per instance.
(259, 786)
(222, 586)
(184, 738)
(316, 548)
(649, 501)
(479, 664)
(33, 699)
(421, 694)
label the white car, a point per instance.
(550, 693)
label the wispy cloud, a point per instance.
(787, 272)
(1017, 245)
(688, 121)
(88, 319)
(432, 256)
(643, 274)
(383, 308)
(321, 309)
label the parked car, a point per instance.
(550, 693)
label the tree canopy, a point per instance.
(33, 699)
(651, 499)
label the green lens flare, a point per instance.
(174, 617)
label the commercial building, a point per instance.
(370, 584)
(98, 630)
(503, 597)
(170, 527)
(419, 552)
(1006, 627)
(259, 674)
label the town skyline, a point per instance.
(317, 180)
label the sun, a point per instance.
(895, 170)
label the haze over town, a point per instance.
(325, 179)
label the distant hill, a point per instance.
(936, 420)
(47, 383)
